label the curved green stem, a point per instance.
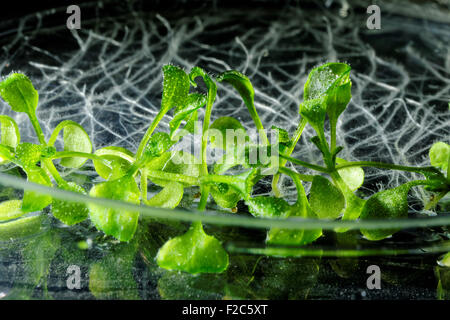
(383, 165)
(37, 129)
(204, 198)
(149, 133)
(333, 123)
(291, 173)
(143, 186)
(70, 154)
(305, 164)
(47, 163)
(326, 151)
(178, 177)
(212, 91)
(294, 141)
(50, 167)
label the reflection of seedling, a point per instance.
(327, 93)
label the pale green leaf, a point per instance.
(10, 209)
(193, 252)
(118, 223)
(69, 212)
(120, 160)
(18, 91)
(9, 134)
(326, 200)
(352, 176)
(75, 139)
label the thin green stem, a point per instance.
(204, 198)
(333, 123)
(71, 154)
(301, 195)
(326, 150)
(296, 137)
(383, 165)
(178, 177)
(340, 183)
(448, 168)
(218, 178)
(37, 129)
(50, 167)
(294, 141)
(47, 163)
(212, 91)
(289, 172)
(305, 164)
(144, 186)
(149, 133)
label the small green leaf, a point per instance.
(314, 112)
(212, 92)
(11, 209)
(18, 91)
(194, 102)
(327, 91)
(75, 139)
(301, 208)
(326, 200)
(353, 204)
(158, 144)
(174, 162)
(279, 236)
(193, 252)
(283, 135)
(115, 222)
(332, 81)
(21, 227)
(175, 88)
(352, 176)
(268, 207)
(242, 183)
(237, 132)
(9, 134)
(338, 99)
(225, 196)
(69, 212)
(34, 201)
(6, 154)
(445, 260)
(28, 154)
(386, 204)
(245, 89)
(169, 197)
(440, 155)
(120, 162)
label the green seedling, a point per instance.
(327, 92)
